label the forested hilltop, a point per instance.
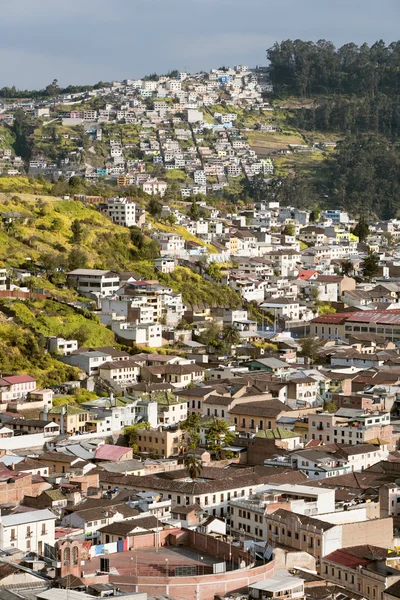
(351, 95)
(358, 86)
(311, 68)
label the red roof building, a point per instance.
(113, 453)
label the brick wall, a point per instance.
(202, 587)
(13, 491)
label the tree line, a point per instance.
(304, 68)
(377, 114)
(47, 92)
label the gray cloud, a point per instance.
(83, 41)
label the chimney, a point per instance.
(45, 413)
(62, 421)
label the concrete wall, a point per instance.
(291, 559)
(20, 442)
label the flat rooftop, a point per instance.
(178, 561)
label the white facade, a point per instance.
(122, 211)
(146, 334)
(28, 531)
(94, 281)
(3, 277)
(16, 386)
(61, 346)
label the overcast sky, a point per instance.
(84, 41)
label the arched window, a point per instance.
(67, 556)
(75, 555)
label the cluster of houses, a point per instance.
(275, 466)
(305, 497)
(171, 122)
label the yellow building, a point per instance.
(71, 419)
(162, 442)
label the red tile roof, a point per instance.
(389, 317)
(13, 379)
(341, 557)
(110, 452)
(334, 318)
(306, 274)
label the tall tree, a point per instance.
(370, 265)
(77, 231)
(194, 211)
(154, 208)
(193, 466)
(231, 335)
(219, 435)
(361, 230)
(52, 90)
(310, 348)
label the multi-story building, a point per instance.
(119, 373)
(171, 243)
(320, 537)
(28, 531)
(71, 419)
(213, 494)
(59, 345)
(94, 281)
(367, 570)
(123, 211)
(385, 323)
(171, 412)
(144, 334)
(89, 361)
(248, 515)
(153, 187)
(162, 442)
(348, 426)
(15, 387)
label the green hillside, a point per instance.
(21, 352)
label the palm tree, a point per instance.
(231, 335)
(193, 466)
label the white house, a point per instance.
(94, 281)
(16, 386)
(154, 187)
(145, 334)
(123, 211)
(59, 345)
(28, 531)
(120, 372)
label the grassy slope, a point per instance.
(21, 352)
(48, 318)
(49, 228)
(6, 138)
